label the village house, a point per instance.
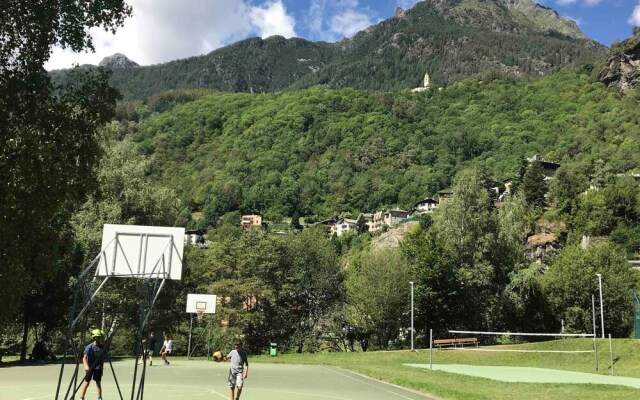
(549, 167)
(251, 221)
(444, 196)
(389, 218)
(344, 225)
(368, 220)
(424, 206)
(194, 237)
(329, 225)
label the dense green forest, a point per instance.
(322, 152)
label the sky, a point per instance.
(165, 30)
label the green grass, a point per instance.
(387, 366)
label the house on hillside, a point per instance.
(344, 225)
(251, 221)
(388, 217)
(194, 237)
(549, 167)
(444, 196)
(424, 206)
(329, 225)
(368, 220)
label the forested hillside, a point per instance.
(324, 152)
(450, 40)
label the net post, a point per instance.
(611, 353)
(430, 349)
(595, 342)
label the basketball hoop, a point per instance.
(200, 312)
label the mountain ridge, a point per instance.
(449, 39)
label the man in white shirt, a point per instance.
(166, 348)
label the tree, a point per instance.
(48, 143)
(438, 284)
(571, 281)
(534, 185)
(378, 292)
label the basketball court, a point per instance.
(191, 379)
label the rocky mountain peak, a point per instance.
(118, 60)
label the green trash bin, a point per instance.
(273, 349)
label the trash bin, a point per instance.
(273, 349)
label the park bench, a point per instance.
(439, 343)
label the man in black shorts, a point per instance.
(151, 347)
(93, 361)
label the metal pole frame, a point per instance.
(601, 304)
(84, 295)
(412, 330)
(595, 341)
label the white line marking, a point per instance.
(366, 383)
(302, 394)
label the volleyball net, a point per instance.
(518, 342)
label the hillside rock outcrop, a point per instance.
(622, 69)
(118, 60)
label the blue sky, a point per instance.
(165, 30)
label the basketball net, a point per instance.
(200, 314)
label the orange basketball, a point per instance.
(217, 356)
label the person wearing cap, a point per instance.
(93, 361)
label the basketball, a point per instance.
(217, 356)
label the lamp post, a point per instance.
(601, 307)
(411, 283)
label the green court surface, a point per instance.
(185, 379)
(531, 375)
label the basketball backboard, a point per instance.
(201, 302)
(141, 251)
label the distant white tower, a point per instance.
(426, 84)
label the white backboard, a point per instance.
(197, 301)
(141, 251)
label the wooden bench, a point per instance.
(439, 343)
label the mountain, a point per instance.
(448, 39)
(118, 60)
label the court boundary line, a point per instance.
(343, 373)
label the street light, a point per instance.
(411, 283)
(601, 307)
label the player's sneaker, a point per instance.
(150, 363)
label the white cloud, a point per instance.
(349, 23)
(272, 19)
(565, 2)
(330, 20)
(160, 31)
(634, 19)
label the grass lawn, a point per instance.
(388, 366)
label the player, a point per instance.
(239, 368)
(151, 342)
(166, 348)
(93, 361)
